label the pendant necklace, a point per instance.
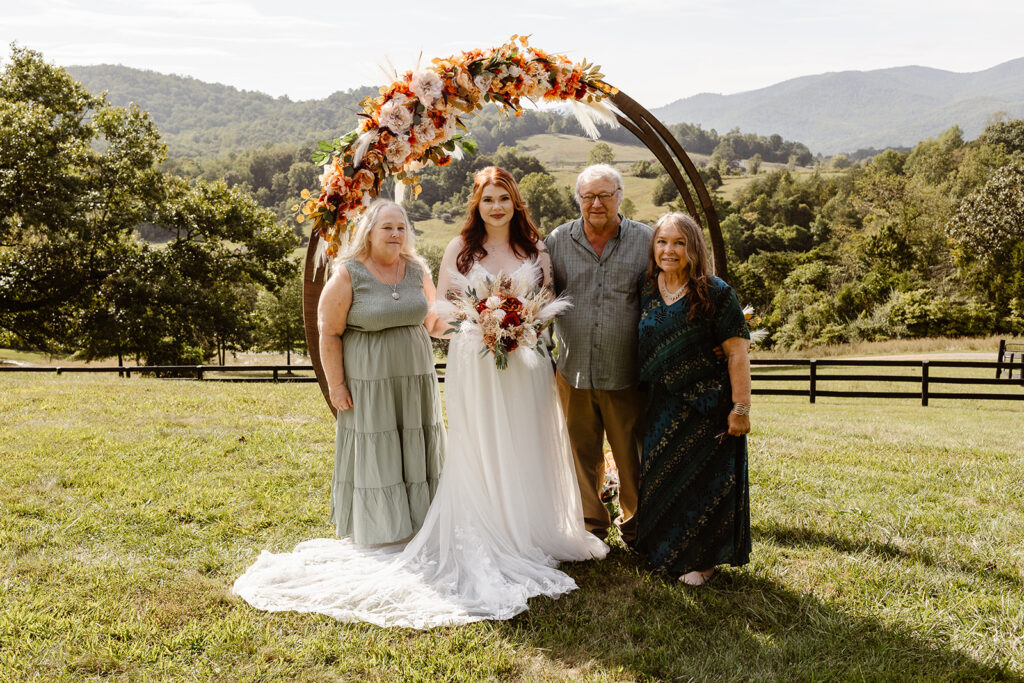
(671, 296)
(394, 287)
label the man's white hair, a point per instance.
(596, 172)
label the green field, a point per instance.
(887, 545)
(559, 151)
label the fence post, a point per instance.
(275, 374)
(59, 370)
(924, 383)
(127, 372)
(199, 372)
(999, 359)
(814, 379)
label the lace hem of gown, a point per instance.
(506, 511)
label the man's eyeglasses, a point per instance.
(604, 197)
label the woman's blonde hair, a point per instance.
(358, 247)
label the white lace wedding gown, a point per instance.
(506, 511)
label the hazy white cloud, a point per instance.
(656, 50)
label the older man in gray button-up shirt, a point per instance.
(598, 261)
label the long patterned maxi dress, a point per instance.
(694, 510)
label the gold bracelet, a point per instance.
(741, 408)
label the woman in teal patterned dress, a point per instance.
(694, 510)
(374, 316)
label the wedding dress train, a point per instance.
(506, 511)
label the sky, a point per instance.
(656, 51)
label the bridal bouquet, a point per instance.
(506, 312)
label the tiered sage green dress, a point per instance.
(390, 445)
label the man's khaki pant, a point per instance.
(590, 414)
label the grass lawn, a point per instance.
(888, 544)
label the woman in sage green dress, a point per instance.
(373, 315)
(694, 510)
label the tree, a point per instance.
(988, 229)
(889, 162)
(627, 208)
(601, 153)
(78, 175)
(416, 209)
(840, 161)
(935, 160)
(1009, 134)
(754, 164)
(646, 169)
(280, 326)
(725, 151)
(665, 191)
(549, 207)
(226, 248)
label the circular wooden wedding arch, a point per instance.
(637, 120)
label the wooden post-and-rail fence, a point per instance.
(815, 377)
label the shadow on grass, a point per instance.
(803, 537)
(742, 626)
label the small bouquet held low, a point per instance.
(506, 312)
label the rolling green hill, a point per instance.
(198, 119)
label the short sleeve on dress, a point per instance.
(730, 321)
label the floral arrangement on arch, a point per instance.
(415, 121)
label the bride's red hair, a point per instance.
(523, 234)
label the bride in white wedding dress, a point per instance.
(507, 507)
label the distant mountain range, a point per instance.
(830, 113)
(849, 110)
(198, 119)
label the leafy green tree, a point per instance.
(935, 160)
(725, 152)
(549, 206)
(754, 164)
(645, 168)
(889, 162)
(417, 209)
(225, 248)
(78, 175)
(665, 191)
(904, 216)
(988, 230)
(627, 208)
(601, 153)
(840, 161)
(280, 326)
(1008, 134)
